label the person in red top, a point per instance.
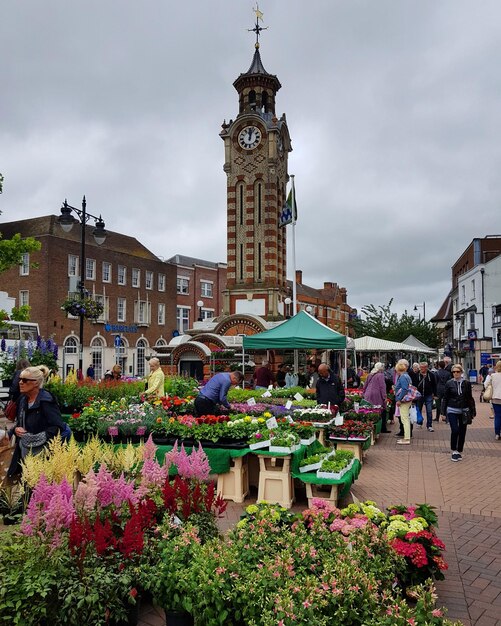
(263, 377)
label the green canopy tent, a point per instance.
(301, 331)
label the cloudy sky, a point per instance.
(393, 108)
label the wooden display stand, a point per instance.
(325, 492)
(353, 446)
(275, 480)
(234, 485)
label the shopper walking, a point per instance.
(457, 397)
(442, 376)
(427, 387)
(401, 390)
(374, 391)
(496, 399)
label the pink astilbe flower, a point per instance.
(199, 467)
(183, 463)
(154, 474)
(85, 498)
(114, 491)
(171, 457)
(50, 510)
(149, 450)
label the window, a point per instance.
(472, 320)
(122, 275)
(207, 314)
(106, 272)
(183, 285)
(105, 301)
(472, 289)
(24, 266)
(206, 289)
(72, 265)
(161, 282)
(90, 269)
(161, 313)
(148, 280)
(24, 298)
(141, 351)
(183, 319)
(121, 309)
(463, 294)
(142, 312)
(96, 351)
(160, 342)
(136, 277)
(71, 345)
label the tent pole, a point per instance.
(345, 367)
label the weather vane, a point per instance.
(257, 28)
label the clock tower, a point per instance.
(256, 146)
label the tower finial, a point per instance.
(257, 28)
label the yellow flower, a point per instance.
(261, 420)
(247, 419)
(159, 420)
(103, 409)
(267, 414)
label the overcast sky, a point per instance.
(393, 108)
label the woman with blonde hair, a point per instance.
(457, 398)
(496, 399)
(155, 380)
(401, 390)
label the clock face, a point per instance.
(249, 137)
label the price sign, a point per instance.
(271, 423)
(251, 401)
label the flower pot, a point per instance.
(259, 445)
(309, 441)
(178, 618)
(282, 449)
(331, 475)
(310, 468)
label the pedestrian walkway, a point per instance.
(466, 495)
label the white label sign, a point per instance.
(298, 397)
(266, 394)
(338, 420)
(288, 404)
(271, 423)
(251, 401)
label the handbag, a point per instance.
(466, 416)
(487, 395)
(411, 395)
(10, 411)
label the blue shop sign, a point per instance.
(120, 328)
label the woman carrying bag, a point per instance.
(459, 407)
(495, 392)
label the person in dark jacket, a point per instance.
(442, 376)
(457, 396)
(427, 387)
(38, 418)
(14, 391)
(329, 388)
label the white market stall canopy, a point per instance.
(373, 344)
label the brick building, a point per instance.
(197, 281)
(136, 288)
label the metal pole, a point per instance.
(424, 311)
(83, 221)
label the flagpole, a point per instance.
(294, 287)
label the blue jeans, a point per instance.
(428, 402)
(458, 431)
(497, 418)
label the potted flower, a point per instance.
(260, 439)
(284, 442)
(12, 503)
(86, 307)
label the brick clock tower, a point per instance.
(256, 146)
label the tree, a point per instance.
(381, 322)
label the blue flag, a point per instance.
(289, 210)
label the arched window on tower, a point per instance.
(252, 100)
(240, 203)
(264, 102)
(258, 201)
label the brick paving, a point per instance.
(466, 495)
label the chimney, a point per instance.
(299, 277)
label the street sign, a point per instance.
(118, 341)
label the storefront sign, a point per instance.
(120, 328)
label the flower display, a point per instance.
(86, 307)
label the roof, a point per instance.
(48, 226)
(256, 66)
(301, 331)
(373, 344)
(445, 311)
(188, 261)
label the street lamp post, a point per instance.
(287, 303)
(200, 304)
(423, 306)
(67, 221)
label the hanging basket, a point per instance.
(85, 307)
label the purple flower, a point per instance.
(141, 431)
(113, 431)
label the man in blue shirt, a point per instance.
(215, 391)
